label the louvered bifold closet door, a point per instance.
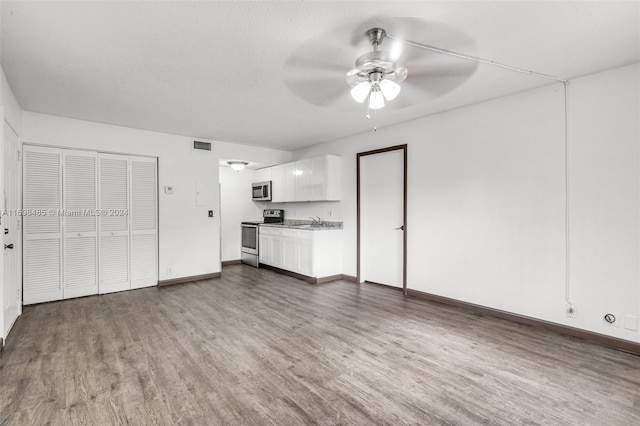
(144, 222)
(42, 234)
(80, 200)
(113, 203)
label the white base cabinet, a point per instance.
(316, 254)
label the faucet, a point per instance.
(316, 219)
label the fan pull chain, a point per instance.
(375, 113)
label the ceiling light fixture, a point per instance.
(237, 165)
(376, 76)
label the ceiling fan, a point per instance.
(321, 70)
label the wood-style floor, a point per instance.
(255, 347)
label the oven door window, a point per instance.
(250, 237)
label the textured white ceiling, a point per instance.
(222, 70)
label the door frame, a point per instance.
(359, 155)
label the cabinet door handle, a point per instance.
(8, 246)
(400, 228)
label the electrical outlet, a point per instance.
(571, 311)
(330, 213)
(631, 322)
(169, 270)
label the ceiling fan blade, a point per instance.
(321, 92)
(423, 90)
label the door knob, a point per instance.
(400, 228)
(8, 246)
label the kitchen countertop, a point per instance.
(306, 225)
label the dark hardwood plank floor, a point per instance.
(255, 347)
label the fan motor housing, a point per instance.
(376, 61)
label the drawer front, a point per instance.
(269, 230)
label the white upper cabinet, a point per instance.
(303, 174)
(262, 175)
(311, 179)
(289, 182)
(277, 183)
(319, 178)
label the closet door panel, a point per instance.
(42, 201)
(144, 222)
(43, 270)
(113, 222)
(43, 190)
(114, 263)
(144, 269)
(80, 195)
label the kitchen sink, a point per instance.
(311, 226)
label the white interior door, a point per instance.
(113, 201)
(80, 245)
(42, 201)
(11, 223)
(144, 222)
(382, 218)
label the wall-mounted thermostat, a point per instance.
(168, 189)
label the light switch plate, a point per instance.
(168, 189)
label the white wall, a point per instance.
(12, 111)
(188, 239)
(605, 211)
(486, 209)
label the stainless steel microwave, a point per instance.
(261, 191)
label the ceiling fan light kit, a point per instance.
(376, 76)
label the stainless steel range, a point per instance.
(250, 250)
